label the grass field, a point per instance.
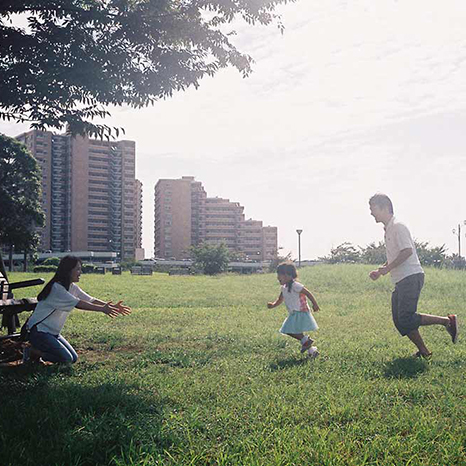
(199, 375)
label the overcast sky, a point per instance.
(355, 98)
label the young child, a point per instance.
(299, 318)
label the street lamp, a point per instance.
(299, 246)
(458, 233)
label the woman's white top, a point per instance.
(294, 300)
(53, 311)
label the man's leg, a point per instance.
(427, 319)
(405, 299)
(450, 323)
(416, 338)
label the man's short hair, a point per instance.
(382, 200)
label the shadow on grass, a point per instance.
(287, 363)
(405, 368)
(48, 417)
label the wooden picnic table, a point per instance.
(11, 307)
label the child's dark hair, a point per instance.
(62, 276)
(288, 268)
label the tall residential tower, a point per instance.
(89, 193)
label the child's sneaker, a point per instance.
(452, 327)
(313, 352)
(306, 345)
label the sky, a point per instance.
(354, 98)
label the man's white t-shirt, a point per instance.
(397, 238)
(52, 312)
(294, 300)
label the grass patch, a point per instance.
(198, 375)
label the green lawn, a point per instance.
(199, 375)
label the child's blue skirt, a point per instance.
(299, 322)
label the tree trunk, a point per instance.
(10, 265)
(2, 265)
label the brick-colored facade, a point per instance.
(179, 217)
(223, 220)
(89, 193)
(185, 217)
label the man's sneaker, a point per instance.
(452, 327)
(423, 356)
(313, 352)
(306, 345)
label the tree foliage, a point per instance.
(428, 255)
(78, 56)
(277, 260)
(343, 253)
(374, 253)
(55, 261)
(211, 259)
(20, 194)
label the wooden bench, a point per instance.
(179, 271)
(141, 270)
(146, 270)
(11, 307)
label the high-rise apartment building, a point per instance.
(138, 215)
(185, 217)
(223, 220)
(179, 217)
(90, 196)
(269, 242)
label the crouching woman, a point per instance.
(55, 302)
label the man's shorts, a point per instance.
(404, 303)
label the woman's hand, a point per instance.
(270, 305)
(315, 307)
(110, 309)
(122, 310)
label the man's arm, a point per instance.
(386, 268)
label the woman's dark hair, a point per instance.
(288, 268)
(62, 275)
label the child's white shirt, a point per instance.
(52, 312)
(294, 300)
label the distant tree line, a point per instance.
(374, 253)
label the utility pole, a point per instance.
(299, 247)
(458, 234)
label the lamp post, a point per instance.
(299, 246)
(458, 234)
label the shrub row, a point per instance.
(86, 268)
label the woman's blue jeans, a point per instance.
(54, 347)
